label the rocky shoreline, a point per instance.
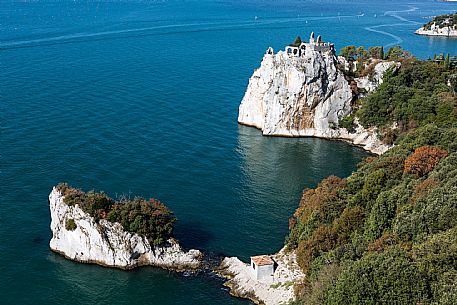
(108, 244)
(437, 31)
(366, 139)
(241, 281)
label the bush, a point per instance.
(151, 219)
(383, 243)
(347, 122)
(314, 293)
(423, 160)
(70, 224)
(436, 258)
(319, 206)
(387, 234)
(147, 218)
(386, 278)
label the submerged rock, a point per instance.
(306, 94)
(77, 236)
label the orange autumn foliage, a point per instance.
(316, 199)
(423, 160)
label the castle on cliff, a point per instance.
(313, 44)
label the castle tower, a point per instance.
(311, 38)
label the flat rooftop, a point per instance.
(262, 260)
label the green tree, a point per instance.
(386, 278)
(376, 52)
(397, 53)
(297, 42)
(361, 53)
(446, 62)
(348, 52)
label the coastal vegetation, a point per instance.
(151, 219)
(362, 61)
(449, 20)
(419, 93)
(387, 234)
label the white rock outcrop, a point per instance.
(371, 83)
(436, 30)
(107, 243)
(242, 282)
(306, 95)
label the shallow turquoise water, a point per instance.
(141, 98)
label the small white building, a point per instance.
(263, 268)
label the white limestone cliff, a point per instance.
(107, 243)
(305, 94)
(371, 82)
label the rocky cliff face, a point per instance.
(107, 244)
(296, 95)
(306, 95)
(370, 83)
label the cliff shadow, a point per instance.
(193, 235)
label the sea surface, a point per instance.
(141, 98)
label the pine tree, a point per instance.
(297, 41)
(446, 62)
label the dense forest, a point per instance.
(387, 234)
(151, 219)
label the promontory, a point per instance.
(303, 91)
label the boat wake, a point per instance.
(167, 30)
(395, 14)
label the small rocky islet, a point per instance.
(93, 228)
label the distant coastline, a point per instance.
(443, 25)
(442, 33)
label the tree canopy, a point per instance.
(387, 234)
(151, 219)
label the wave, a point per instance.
(394, 14)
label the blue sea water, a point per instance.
(141, 98)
